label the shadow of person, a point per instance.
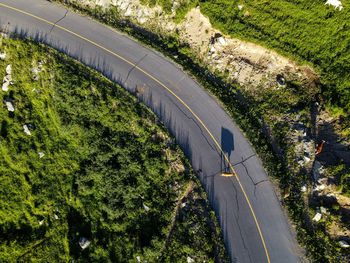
(227, 146)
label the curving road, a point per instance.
(254, 226)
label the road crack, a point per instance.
(59, 20)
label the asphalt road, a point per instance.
(254, 226)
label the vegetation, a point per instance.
(248, 112)
(306, 30)
(95, 166)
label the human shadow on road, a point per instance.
(227, 147)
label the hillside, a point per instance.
(88, 173)
(281, 70)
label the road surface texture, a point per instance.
(254, 226)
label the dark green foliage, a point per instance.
(101, 168)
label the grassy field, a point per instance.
(95, 166)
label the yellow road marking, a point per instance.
(227, 174)
(172, 93)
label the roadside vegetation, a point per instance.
(276, 121)
(309, 31)
(87, 173)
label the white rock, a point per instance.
(307, 159)
(317, 170)
(221, 41)
(303, 188)
(35, 71)
(5, 86)
(301, 162)
(321, 187)
(344, 244)
(56, 216)
(138, 258)
(10, 106)
(145, 207)
(84, 242)
(336, 3)
(9, 69)
(190, 260)
(3, 56)
(317, 217)
(26, 129)
(41, 222)
(41, 155)
(183, 205)
(240, 7)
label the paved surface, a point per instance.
(200, 125)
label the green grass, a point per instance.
(101, 166)
(249, 113)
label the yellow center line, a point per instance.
(172, 93)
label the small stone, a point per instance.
(146, 207)
(344, 244)
(10, 106)
(35, 71)
(138, 258)
(55, 216)
(5, 85)
(84, 243)
(301, 162)
(183, 205)
(26, 129)
(303, 188)
(3, 56)
(323, 210)
(336, 3)
(221, 41)
(317, 170)
(41, 155)
(307, 159)
(190, 260)
(321, 187)
(9, 69)
(41, 222)
(240, 7)
(317, 217)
